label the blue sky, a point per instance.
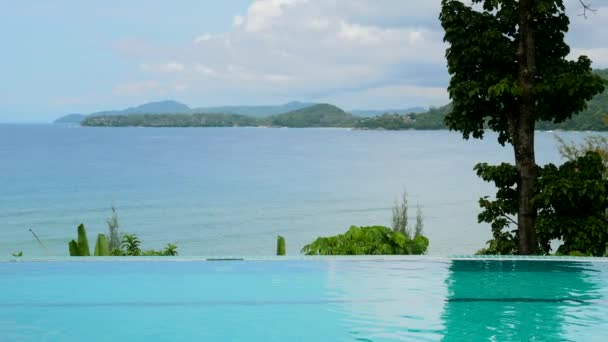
(69, 56)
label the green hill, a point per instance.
(256, 111)
(171, 120)
(594, 118)
(174, 107)
(70, 119)
(431, 119)
(321, 115)
(379, 112)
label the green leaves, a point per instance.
(101, 246)
(130, 245)
(281, 245)
(571, 202)
(83, 241)
(374, 240)
(80, 247)
(482, 60)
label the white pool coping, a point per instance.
(309, 258)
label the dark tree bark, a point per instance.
(522, 129)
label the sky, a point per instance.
(74, 56)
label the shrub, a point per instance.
(374, 240)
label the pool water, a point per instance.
(304, 300)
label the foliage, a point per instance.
(400, 218)
(388, 121)
(101, 246)
(321, 115)
(593, 118)
(509, 68)
(375, 240)
(434, 118)
(170, 250)
(482, 61)
(83, 241)
(80, 247)
(73, 248)
(418, 229)
(17, 254)
(281, 245)
(113, 233)
(171, 120)
(595, 143)
(130, 245)
(570, 200)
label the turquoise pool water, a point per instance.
(304, 300)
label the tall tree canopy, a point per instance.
(508, 67)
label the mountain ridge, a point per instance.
(256, 111)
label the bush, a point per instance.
(571, 202)
(374, 240)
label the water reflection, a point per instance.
(388, 300)
(524, 300)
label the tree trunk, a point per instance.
(522, 129)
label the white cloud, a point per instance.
(168, 67)
(181, 87)
(172, 67)
(204, 70)
(599, 56)
(238, 20)
(203, 38)
(363, 52)
(392, 96)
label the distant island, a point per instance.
(302, 115)
(319, 115)
(174, 107)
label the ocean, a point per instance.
(231, 191)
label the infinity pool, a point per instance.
(304, 300)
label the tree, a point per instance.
(114, 234)
(593, 143)
(571, 201)
(400, 219)
(508, 67)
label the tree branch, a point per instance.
(507, 216)
(586, 8)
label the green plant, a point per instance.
(170, 250)
(400, 219)
(101, 246)
(80, 247)
(281, 245)
(418, 229)
(130, 245)
(515, 72)
(570, 202)
(374, 240)
(17, 254)
(114, 234)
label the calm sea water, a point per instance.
(231, 191)
(322, 300)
